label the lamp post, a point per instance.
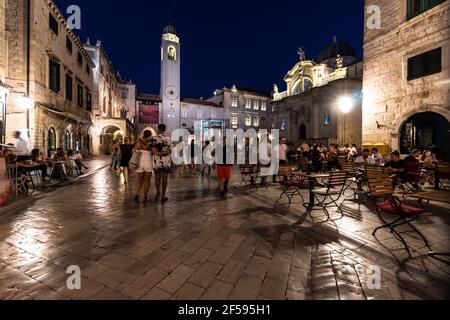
(345, 105)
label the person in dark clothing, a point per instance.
(413, 157)
(126, 152)
(396, 168)
(38, 158)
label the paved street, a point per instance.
(199, 246)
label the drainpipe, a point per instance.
(28, 60)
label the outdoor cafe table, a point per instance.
(312, 183)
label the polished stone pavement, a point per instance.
(199, 246)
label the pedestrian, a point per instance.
(161, 146)
(193, 164)
(224, 168)
(79, 161)
(114, 159)
(126, 151)
(145, 166)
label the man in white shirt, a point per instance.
(365, 159)
(377, 156)
(20, 146)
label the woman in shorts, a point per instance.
(145, 166)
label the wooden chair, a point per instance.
(413, 178)
(442, 175)
(382, 193)
(331, 192)
(16, 181)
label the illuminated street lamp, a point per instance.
(27, 104)
(345, 105)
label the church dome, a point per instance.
(170, 29)
(334, 49)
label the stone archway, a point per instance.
(426, 130)
(110, 135)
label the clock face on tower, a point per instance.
(171, 93)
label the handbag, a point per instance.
(135, 160)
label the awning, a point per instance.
(68, 115)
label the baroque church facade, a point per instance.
(322, 101)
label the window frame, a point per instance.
(54, 87)
(248, 123)
(248, 104)
(80, 95)
(263, 106)
(425, 63)
(53, 24)
(88, 101)
(69, 45)
(80, 59)
(424, 6)
(69, 89)
(234, 120)
(234, 102)
(256, 121)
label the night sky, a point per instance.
(249, 43)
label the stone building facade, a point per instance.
(406, 82)
(51, 75)
(245, 108)
(4, 88)
(310, 108)
(201, 115)
(114, 102)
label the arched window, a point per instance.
(248, 120)
(297, 89)
(307, 84)
(171, 53)
(256, 121)
(123, 113)
(51, 147)
(67, 141)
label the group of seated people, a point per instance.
(399, 169)
(68, 163)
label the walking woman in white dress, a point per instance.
(145, 166)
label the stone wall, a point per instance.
(45, 44)
(2, 40)
(389, 98)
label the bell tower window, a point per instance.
(171, 53)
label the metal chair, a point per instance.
(290, 184)
(331, 192)
(386, 203)
(247, 173)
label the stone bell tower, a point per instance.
(170, 79)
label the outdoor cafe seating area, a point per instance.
(398, 200)
(24, 175)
